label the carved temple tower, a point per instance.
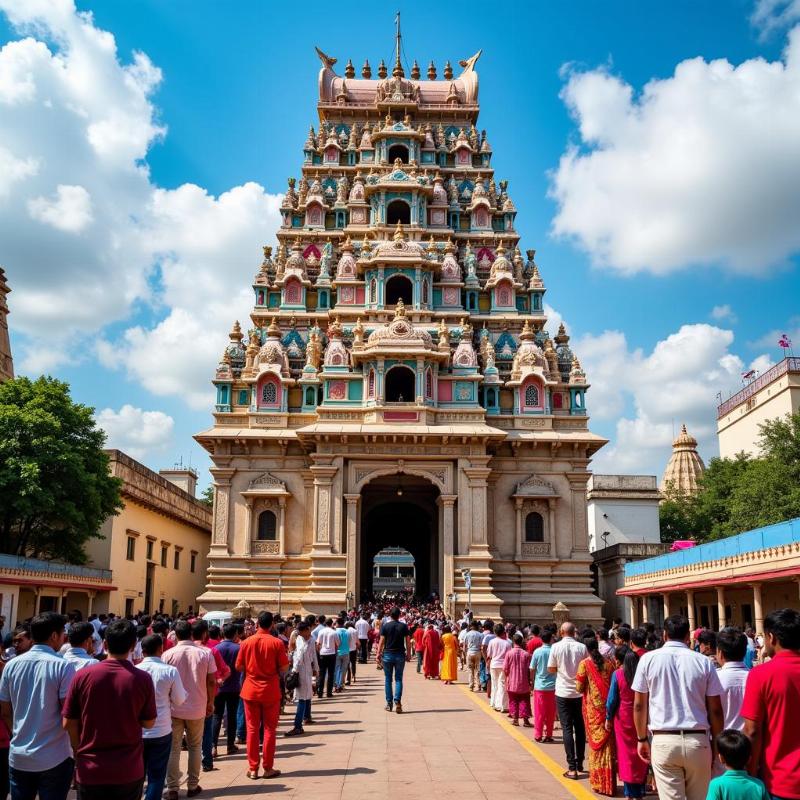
(6, 361)
(398, 386)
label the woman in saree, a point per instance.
(431, 652)
(449, 656)
(619, 718)
(593, 682)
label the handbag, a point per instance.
(292, 680)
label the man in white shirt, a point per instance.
(80, 650)
(320, 627)
(680, 691)
(565, 656)
(732, 674)
(169, 693)
(362, 629)
(327, 644)
(352, 635)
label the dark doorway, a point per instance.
(400, 385)
(398, 151)
(148, 588)
(398, 211)
(398, 287)
(401, 511)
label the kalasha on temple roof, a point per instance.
(398, 311)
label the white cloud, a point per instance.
(137, 433)
(70, 210)
(76, 125)
(701, 168)
(723, 313)
(774, 15)
(675, 383)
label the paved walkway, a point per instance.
(447, 744)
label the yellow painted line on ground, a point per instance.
(554, 768)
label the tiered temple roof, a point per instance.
(685, 467)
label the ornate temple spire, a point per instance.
(685, 467)
(6, 362)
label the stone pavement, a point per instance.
(447, 744)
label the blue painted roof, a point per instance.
(751, 541)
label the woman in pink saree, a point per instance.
(431, 652)
(619, 716)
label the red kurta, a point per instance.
(431, 649)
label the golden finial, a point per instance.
(366, 70)
(448, 71)
(273, 329)
(349, 70)
(400, 309)
(526, 334)
(431, 71)
(399, 236)
(415, 71)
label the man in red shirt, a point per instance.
(104, 713)
(263, 660)
(535, 641)
(417, 636)
(771, 707)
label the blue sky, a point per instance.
(667, 205)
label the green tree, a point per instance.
(207, 496)
(55, 486)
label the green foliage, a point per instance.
(742, 493)
(55, 486)
(207, 496)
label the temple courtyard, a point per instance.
(447, 743)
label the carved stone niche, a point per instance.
(535, 495)
(266, 493)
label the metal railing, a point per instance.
(789, 364)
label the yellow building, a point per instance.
(773, 394)
(733, 581)
(153, 556)
(156, 548)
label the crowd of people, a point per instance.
(689, 715)
(108, 705)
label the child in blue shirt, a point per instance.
(735, 783)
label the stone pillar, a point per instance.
(91, 595)
(666, 605)
(352, 543)
(518, 501)
(645, 609)
(721, 606)
(632, 601)
(222, 534)
(323, 479)
(758, 610)
(282, 524)
(690, 608)
(447, 502)
(248, 529)
(477, 476)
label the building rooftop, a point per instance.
(144, 486)
(789, 364)
(622, 487)
(772, 536)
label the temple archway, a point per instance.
(401, 511)
(399, 287)
(398, 151)
(398, 211)
(400, 384)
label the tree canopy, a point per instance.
(741, 493)
(55, 487)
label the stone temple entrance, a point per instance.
(401, 511)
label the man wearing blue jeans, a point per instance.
(394, 650)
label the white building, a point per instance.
(623, 527)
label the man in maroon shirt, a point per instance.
(104, 713)
(771, 707)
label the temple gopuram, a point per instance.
(398, 385)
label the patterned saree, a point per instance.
(594, 683)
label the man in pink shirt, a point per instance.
(201, 632)
(496, 651)
(197, 669)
